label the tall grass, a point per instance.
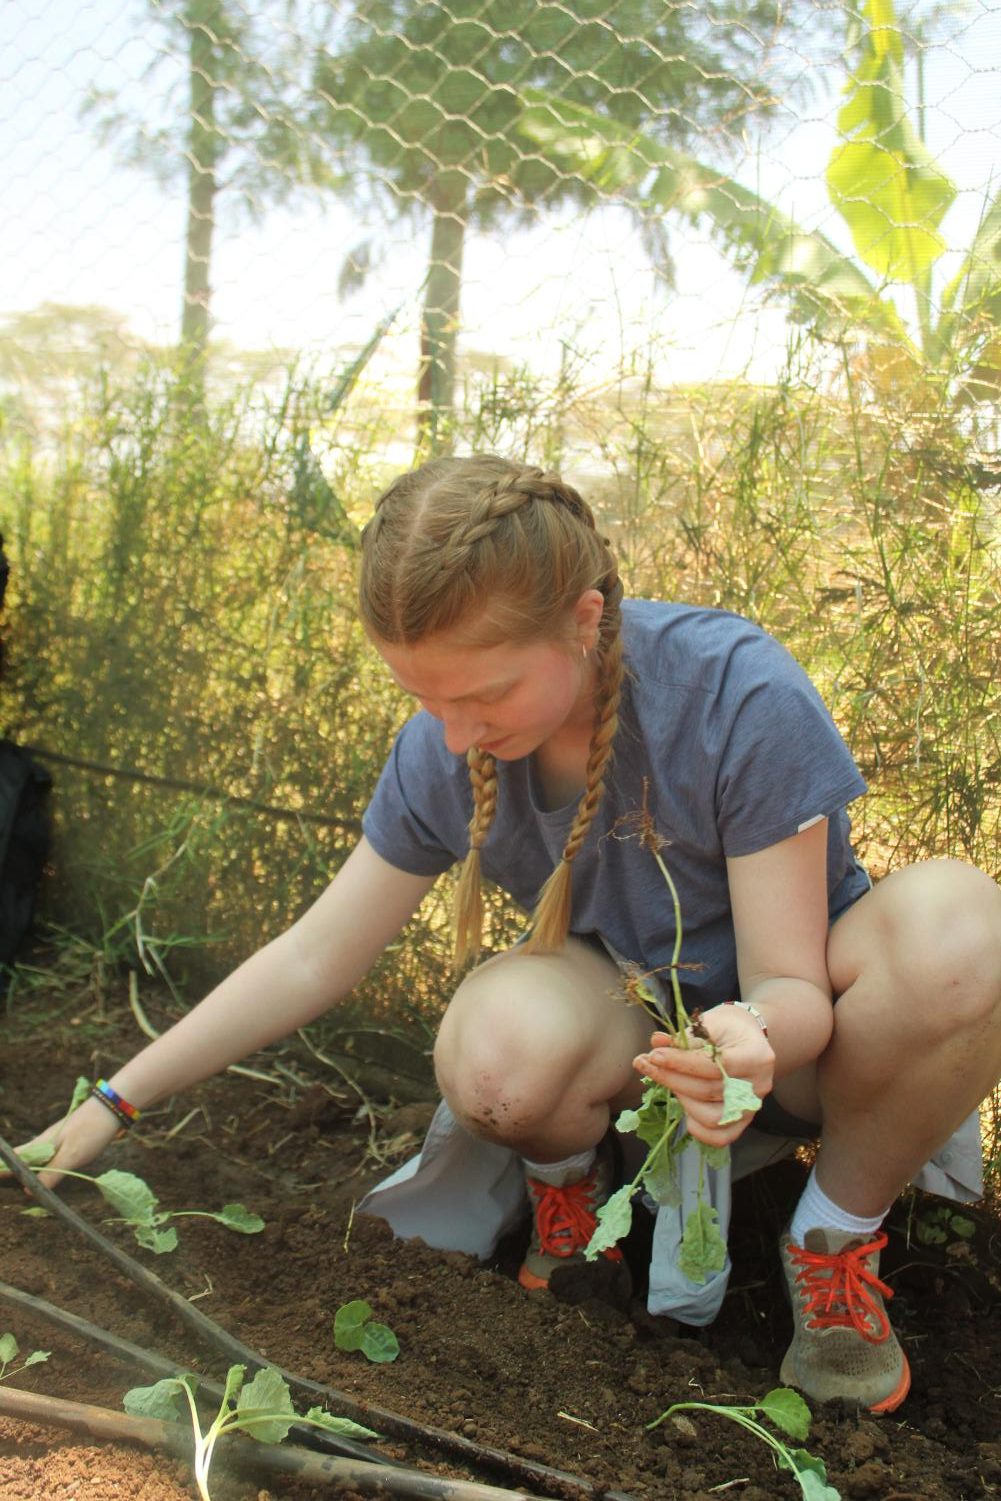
(181, 609)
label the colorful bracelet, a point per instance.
(751, 1011)
(126, 1113)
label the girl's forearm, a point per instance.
(800, 1020)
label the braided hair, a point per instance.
(512, 548)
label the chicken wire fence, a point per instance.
(502, 188)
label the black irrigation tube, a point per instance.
(244, 1454)
(210, 794)
(160, 1368)
(478, 1456)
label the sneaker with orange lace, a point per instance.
(563, 1221)
(843, 1348)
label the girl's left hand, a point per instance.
(692, 1075)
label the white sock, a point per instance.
(815, 1211)
(559, 1174)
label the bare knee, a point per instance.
(930, 943)
(502, 1052)
(529, 1036)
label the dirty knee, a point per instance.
(495, 1089)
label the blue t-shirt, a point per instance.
(724, 740)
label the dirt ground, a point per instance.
(566, 1384)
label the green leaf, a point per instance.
(234, 1380)
(703, 1249)
(165, 1400)
(236, 1217)
(37, 1153)
(264, 1407)
(154, 1239)
(36, 1212)
(892, 207)
(354, 1330)
(883, 180)
(615, 1218)
(379, 1343)
(36, 1357)
(8, 1348)
(716, 1157)
(81, 1092)
(129, 1196)
(338, 1425)
(738, 1097)
(658, 1116)
(349, 1323)
(811, 1473)
(661, 1179)
(787, 1410)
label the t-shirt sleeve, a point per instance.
(784, 765)
(400, 822)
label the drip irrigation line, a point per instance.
(212, 794)
(479, 1456)
(245, 1454)
(160, 1368)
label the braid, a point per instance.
(469, 893)
(551, 921)
(502, 499)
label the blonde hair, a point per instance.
(456, 533)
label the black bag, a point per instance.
(24, 843)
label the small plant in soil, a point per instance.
(137, 1205)
(262, 1408)
(354, 1329)
(788, 1412)
(935, 1226)
(659, 1121)
(9, 1352)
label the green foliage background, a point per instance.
(182, 606)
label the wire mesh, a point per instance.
(278, 177)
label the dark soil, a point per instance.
(565, 1384)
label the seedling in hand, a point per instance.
(354, 1330)
(660, 1120)
(263, 1409)
(789, 1413)
(9, 1352)
(137, 1205)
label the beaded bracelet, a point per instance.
(751, 1011)
(112, 1100)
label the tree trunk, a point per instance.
(440, 315)
(204, 22)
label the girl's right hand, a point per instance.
(79, 1138)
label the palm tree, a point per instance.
(235, 134)
(428, 97)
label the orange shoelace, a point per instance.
(565, 1218)
(839, 1288)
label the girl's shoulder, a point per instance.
(696, 646)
